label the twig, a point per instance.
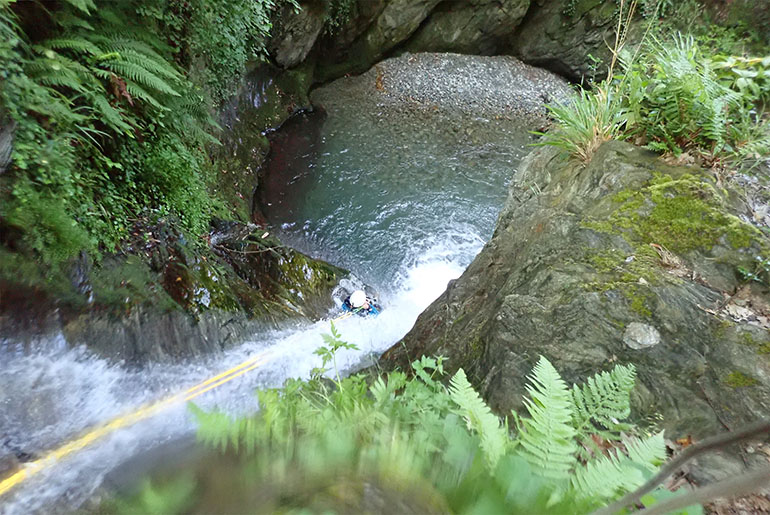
(672, 466)
(267, 249)
(741, 485)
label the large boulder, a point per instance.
(474, 27)
(623, 260)
(566, 37)
(393, 24)
(296, 33)
(176, 301)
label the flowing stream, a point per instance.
(404, 200)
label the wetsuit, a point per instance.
(372, 310)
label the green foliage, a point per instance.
(220, 37)
(603, 401)
(329, 354)
(610, 476)
(586, 122)
(414, 430)
(760, 273)
(479, 417)
(673, 98)
(678, 101)
(168, 498)
(337, 13)
(548, 436)
(748, 76)
(109, 127)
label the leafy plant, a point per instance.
(587, 121)
(760, 273)
(684, 104)
(672, 98)
(749, 76)
(329, 354)
(337, 13)
(401, 430)
(111, 108)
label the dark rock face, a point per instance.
(624, 260)
(391, 24)
(293, 39)
(561, 42)
(7, 127)
(268, 97)
(558, 35)
(473, 27)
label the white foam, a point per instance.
(77, 390)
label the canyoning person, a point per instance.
(358, 303)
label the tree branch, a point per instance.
(709, 444)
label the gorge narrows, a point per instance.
(398, 175)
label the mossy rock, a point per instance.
(572, 265)
(178, 301)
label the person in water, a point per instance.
(359, 303)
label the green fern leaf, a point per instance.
(604, 400)
(615, 474)
(75, 43)
(607, 477)
(82, 5)
(650, 453)
(110, 116)
(138, 92)
(479, 417)
(547, 436)
(140, 76)
(158, 67)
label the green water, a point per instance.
(376, 192)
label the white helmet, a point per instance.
(357, 298)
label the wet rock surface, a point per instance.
(170, 301)
(567, 277)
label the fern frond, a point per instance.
(138, 41)
(479, 417)
(137, 91)
(612, 475)
(74, 43)
(156, 66)
(110, 116)
(82, 5)
(650, 453)
(547, 436)
(69, 21)
(140, 75)
(215, 429)
(607, 477)
(604, 400)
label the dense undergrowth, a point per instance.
(109, 106)
(704, 93)
(425, 446)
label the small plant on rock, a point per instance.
(587, 121)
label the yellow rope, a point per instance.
(128, 419)
(343, 316)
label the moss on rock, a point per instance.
(682, 214)
(761, 347)
(738, 379)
